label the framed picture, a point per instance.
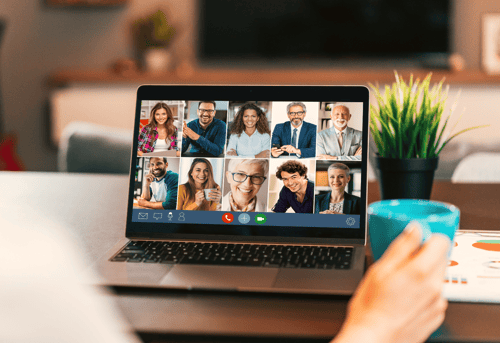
(491, 43)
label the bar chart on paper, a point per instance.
(487, 245)
(473, 272)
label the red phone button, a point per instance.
(227, 218)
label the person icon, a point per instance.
(181, 217)
(170, 215)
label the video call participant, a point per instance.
(295, 137)
(160, 134)
(338, 201)
(297, 192)
(245, 176)
(159, 189)
(250, 134)
(340, 142)
(192, 194)
(206, 135)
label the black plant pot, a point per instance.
(406, 178)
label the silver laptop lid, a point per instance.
(250, 163)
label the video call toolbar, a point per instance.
(244, 218)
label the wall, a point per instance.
(40, 40)
(467, 28)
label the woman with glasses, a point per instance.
(250, 135)
(192, 195)
(338, 201)
(160, 134)
(245, 177)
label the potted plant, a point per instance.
(405, 126)
(153, 36)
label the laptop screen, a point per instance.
(249, 161)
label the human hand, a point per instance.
(199, 197)
(184, 127)
(149, 178)
(215, 195)
(142, 202)
(399, 299)
(330, 212)
(178, 153)
(276, 152)
(189, 133)
(290, 149)
(263, 154)
(139, 153)
(326, 157)
(231, 152)
(358, 152)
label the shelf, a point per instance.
(262, 76)
(84, 3)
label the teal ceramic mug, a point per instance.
(388, 218)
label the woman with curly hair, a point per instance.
(160, 134)
(250, 133)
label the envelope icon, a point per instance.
(143, 216)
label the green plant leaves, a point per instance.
(405, 122)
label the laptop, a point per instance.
(259, 189)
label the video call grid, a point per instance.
(314, 162)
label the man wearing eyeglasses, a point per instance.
(206, 135)
(245, 177)
(297, 191)
(295, 137)
(340, 142)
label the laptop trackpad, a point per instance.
(219, 277)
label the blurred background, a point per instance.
(65, 61)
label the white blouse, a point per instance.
(337, 207)
(249, 146)
(161, 145)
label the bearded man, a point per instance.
(340, 142)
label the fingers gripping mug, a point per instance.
(388, 218)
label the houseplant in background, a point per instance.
(153, 36)
(405, 126)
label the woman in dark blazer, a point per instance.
(338, 201)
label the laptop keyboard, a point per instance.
(250, 255)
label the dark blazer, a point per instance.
(282, 135)
(352, 203)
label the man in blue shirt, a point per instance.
(206, 135)
(159, 190)
(297, 192)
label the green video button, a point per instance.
(260, 219)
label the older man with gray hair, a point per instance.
(296, 137)
(340, 142)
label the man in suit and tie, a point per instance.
(340, 142)
(295, 137)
